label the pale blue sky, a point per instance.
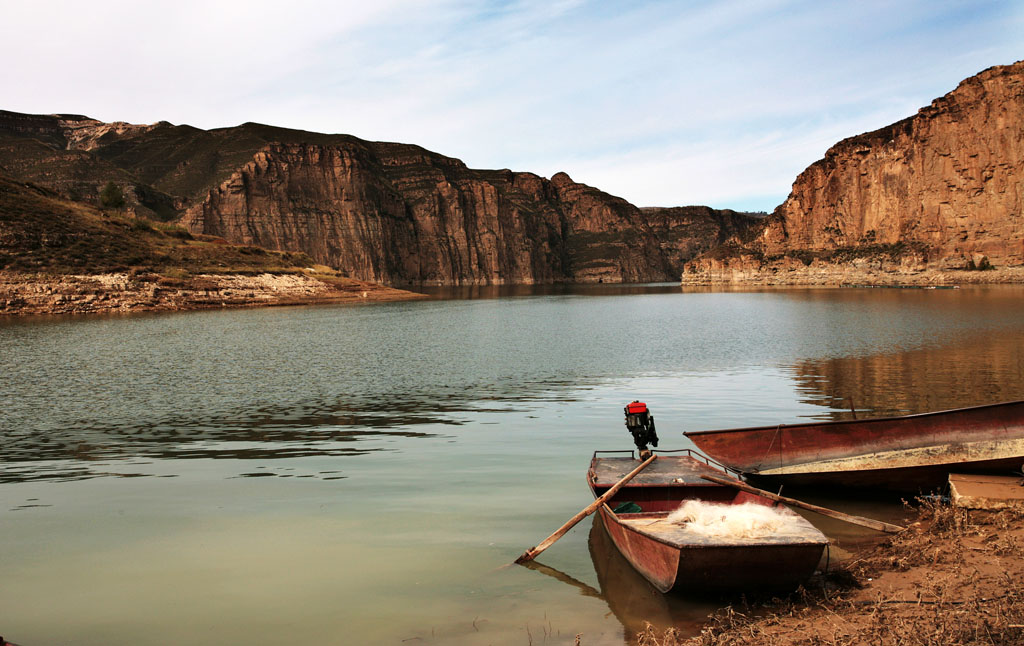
(663, 103)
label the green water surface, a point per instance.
(356, 474)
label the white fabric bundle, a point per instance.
(748, 520)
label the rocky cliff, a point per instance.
(399, 214)
(685, 232)
(386, 212)
(396, 213)
(392, 214)
(943, 189)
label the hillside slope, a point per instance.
(58, 256)
(41, 232)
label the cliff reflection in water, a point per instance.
(981, 369)
(555, 289)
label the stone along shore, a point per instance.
(26, 294)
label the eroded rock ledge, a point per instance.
(900, 265)
(25, 294)
(792, 271)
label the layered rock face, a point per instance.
(685, 232)
(399, 214)
(395, 217)
(943, 189)
(385, 212)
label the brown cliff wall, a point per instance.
(386, 212)
(399, 214)
(941, 190)
(307, 197)
(950, 177)
(685, 232)
(397, 218)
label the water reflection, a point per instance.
(260, 385)
(983, 368)
(69, 455)
(514, 291)
(630, 597)
(398, 450)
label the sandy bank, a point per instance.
(953, 577)
(26, 294)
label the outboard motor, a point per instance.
(640, 423)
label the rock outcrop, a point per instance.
(24, 294)
(943, 189)
(62, 257)
(685, 232)
(399, 214)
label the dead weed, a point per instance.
(956, 581)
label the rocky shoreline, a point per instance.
(42, 294)
(793, 272)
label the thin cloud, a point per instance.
(660, 102)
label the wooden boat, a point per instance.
(672, 557)
(909, 454)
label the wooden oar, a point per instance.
(824, 511)
(532, 553)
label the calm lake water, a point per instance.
(356, 474)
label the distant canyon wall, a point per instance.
(943, 189)
(386, 212)
(398, 214)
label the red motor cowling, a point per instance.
(636, 407)
(640, 423)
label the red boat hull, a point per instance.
(673, 561)
(702, 568)
(911, 453)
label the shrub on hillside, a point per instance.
(111, 196)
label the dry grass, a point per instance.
(43, 233)
(950, 579)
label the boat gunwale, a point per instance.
(847, 422)
(696, 454)
(643, 485)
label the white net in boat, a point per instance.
(748, 520)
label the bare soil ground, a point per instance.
(953, 577)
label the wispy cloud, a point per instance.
(660, 102)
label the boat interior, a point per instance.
(661, 487)
(645, 503)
